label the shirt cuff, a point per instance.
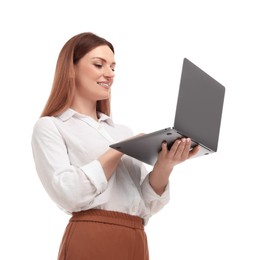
(151, 195)
(96, 175)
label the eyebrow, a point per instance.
(113, 63)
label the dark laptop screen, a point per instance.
(199, 106)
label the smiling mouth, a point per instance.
(105, 85)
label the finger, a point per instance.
(174, 148)
(194, 151)
(140, 134)
(180, 148)
(164, 147)
(183, 151)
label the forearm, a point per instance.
(158, 179)
(109, 161)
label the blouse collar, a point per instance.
(69, 113)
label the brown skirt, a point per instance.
(104, 235)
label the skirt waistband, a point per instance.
(109, 217)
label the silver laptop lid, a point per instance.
(199, 106)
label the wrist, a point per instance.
(163, 169)
(159, 178)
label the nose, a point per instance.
(109, 72)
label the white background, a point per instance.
(219, 203)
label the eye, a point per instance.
(99, 66)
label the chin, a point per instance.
(104, 97)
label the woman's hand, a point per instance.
(178, 153)
(110, 159)
(167, 159)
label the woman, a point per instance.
(110, 195)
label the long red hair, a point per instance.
(63, 88)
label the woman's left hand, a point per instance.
(167, 159)
(178, 153)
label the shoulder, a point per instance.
(44, 125)
(45, 132)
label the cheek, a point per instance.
(87, 87)
(86, 78)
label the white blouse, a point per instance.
(65, 150)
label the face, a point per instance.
(94, 74)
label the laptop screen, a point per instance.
(199, 106)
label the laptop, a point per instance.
(197, 116)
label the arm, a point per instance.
(109, 161)
(72, 187)
(167, 160)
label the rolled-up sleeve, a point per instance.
(152, 200)
(71, 187)
(99, 180)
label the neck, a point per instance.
(87, 108)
